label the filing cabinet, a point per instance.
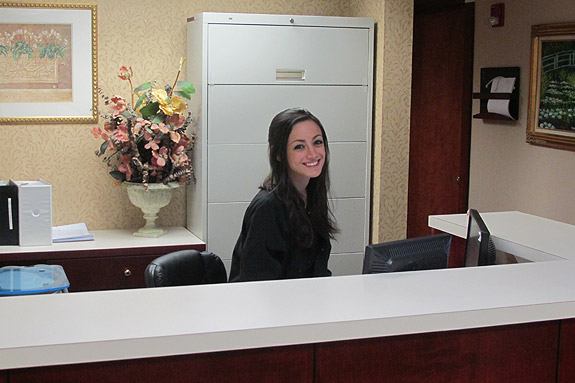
(246, 68)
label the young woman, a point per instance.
(287, 227)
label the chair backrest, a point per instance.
(185, 267)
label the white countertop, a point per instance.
(112, 239)
(531, 237)
(128, 324)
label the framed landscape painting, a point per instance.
(551, 115)
(48, 63)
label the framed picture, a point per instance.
(48, 63)
(551, 116)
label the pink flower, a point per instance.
(125, 74)
(176, 120)
(175, 136)
(153, 144)
(96, 132)
(159, 158)
(118, 106)
(179, 158)
(121, 133)
(125, 166)
(140, 123)
(160, 127)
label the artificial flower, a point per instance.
(146, 140)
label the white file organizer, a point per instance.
(34, 212)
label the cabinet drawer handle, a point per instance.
(290, 74)
(127, 273)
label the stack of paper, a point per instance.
(71, 233)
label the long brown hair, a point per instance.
(316, 216)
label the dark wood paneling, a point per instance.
(107, 273)
(521, 353)
(566, 373)
(441, 98)
(426, 5)
(274, 365)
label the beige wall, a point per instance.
(506, 172)
(150, 36)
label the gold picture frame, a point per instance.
(551, 115)
(48, 63)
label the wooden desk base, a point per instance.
(535, 352)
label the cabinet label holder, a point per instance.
(290, 74)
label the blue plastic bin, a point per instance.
(37, 279)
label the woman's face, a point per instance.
(305, 153)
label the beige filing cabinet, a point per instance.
(248, 67)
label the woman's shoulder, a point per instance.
(266, 199)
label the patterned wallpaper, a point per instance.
(150, 36)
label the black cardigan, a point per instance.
(264, 250)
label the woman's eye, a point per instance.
(318, 142)
(297, 147)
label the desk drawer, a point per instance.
(106, 273)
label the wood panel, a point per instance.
(520, 353)
(273, 365)
(106, 273)
(566, 371)
(440, 128)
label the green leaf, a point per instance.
(142, 87)
(140, 100)
(187, 87)
(118, 175)
(158, 118)
(183, 94)
(103, 147)
(149, 110)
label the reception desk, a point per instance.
(499, 323)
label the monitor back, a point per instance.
(422, 253)
(479, 247)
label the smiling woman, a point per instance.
(287, 227)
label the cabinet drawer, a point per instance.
(255, 54)
(106, 273)
(342, 110)
(225, 222)
(224, 227)
(350, 215)
(246, 166)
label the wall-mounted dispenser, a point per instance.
(499, 94)
(497, 15)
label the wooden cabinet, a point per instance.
(525, 353)
(114, 260)
(517, 353)
(274, 365)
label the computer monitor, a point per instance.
(479, 249)
(421, 253)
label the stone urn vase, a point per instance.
(150, 200)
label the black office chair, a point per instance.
(186, 267)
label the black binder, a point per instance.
(9, 234)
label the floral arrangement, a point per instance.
(43, 45)
(146, 142)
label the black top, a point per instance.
(265, 250)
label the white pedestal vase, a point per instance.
(150, 200)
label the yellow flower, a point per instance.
(179, 105)
(169, 107)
